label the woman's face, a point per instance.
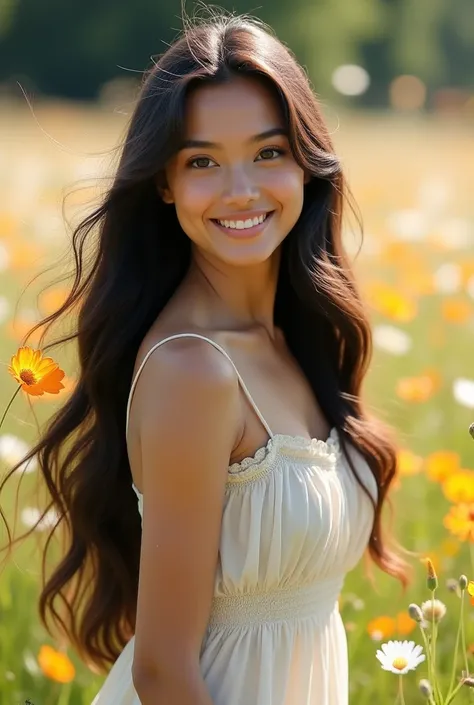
(235, 185)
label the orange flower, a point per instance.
(381, 628)
(405, 624)
(432, 567)
(456, 310)
(460, 521)
(36, 374)
(408, 463)
(441, 465)
(56, 665)
(459, 487)
(417, 389)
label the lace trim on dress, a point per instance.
(260, 464)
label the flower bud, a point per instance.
(469, 682)
(433, 610)
(453, 586)
(425, 688)
(471, 429)
(432, 578)
(463, 582)
(415, 612)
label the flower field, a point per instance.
(412, 179)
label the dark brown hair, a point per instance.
(140, 259)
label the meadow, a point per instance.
(412, 179)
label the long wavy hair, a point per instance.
(141, 256)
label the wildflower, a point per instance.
(415, 612)
(463, 392)
(433, 610)
(36, 374)
(408, 463)
(416, 389)
(425, 688)
(13, 449)
(391, 303)
(55, 665)
(456, 310)
(404, 624)
(442, 464)
(460, 521)
(452, 585)
(381, 628)
(391, 339)
(432, 578)
(459, 487)
(400, 656)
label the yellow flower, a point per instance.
(441, 465)
(55, 665)
(391, 303)
(460, 521)
(408, 463)
(459, 487)
(36, 374)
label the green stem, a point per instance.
(456, 649)
(401, 697)
(431, 676)
(64, 696)
(9, 405)
(454, 693)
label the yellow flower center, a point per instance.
(400, 663)
(28, 377)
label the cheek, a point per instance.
(194, 196)
(287, 187)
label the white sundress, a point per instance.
(295, 521)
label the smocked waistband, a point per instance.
(281, 604)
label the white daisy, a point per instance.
(13, 449)
(391, 339)
(400, 656)
(463, 391)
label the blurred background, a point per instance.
(396, 80)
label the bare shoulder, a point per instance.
(188, 420)
(184, 366)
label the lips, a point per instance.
(243, 227)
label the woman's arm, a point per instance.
(189, 413)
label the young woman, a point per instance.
(222, 473)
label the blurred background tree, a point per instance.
(71, 49)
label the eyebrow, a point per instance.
(274, 131)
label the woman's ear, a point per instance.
(163, 190)
(166, 196)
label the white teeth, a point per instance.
(242, 224)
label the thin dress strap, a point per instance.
(218, 347)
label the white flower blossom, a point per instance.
(400, 656)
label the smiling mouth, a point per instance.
(242, 224)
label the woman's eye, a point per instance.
(201, 162)
(270, 153)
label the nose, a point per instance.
(240, 189)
